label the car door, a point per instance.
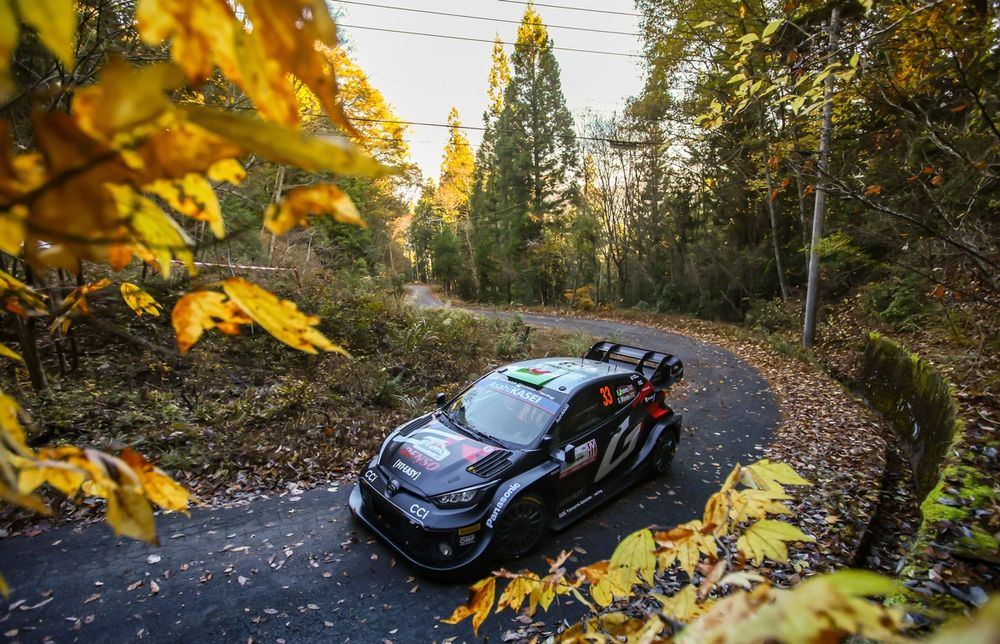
(583, 436)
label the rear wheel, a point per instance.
(520, 527)
(663, 453)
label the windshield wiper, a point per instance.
(466, 427)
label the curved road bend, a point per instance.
(298, 568)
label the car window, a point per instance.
(507, 411)
(589, 408)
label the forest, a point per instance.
(210, 219)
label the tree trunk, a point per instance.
(774, 228)
(819, 210)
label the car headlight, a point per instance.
(468, 496)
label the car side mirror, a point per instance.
(563, 454)
(440, 399)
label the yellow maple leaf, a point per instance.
(635, 556)
(10, 286)
(7, 352)
(12, 433)
(139, 300)
(157, 484)
(152, 228)
(613, 583)
(756, 504)
(684, 544)
(55, 23)
(683, 605)
(520, 587)
(227, 171)
(766, 475)
(480, 602)
(12, 229)
(283, 144)
(823, 608)
(321, 199)
(76, 302)
(125, 99)
(766, 538)
(200, 311)
(203, 33)
(192, 196)
(280, 318)
(9, 31)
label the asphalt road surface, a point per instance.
(298, 568)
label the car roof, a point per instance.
(559, 375)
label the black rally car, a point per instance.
(529, 447)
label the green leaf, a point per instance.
(854, 60)
(772, 27)
(705, 24)
(736, 78)
(749, 38)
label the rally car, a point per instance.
(527, 448)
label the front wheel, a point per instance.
(663, 453)
(520, 528)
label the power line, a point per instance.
(480, 128)
(562, 6)
(477, 128)
(510, 22)
(469, 39)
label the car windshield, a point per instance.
(504, 411)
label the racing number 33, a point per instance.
(606, 395)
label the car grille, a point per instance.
(491, 465)
(411, 537)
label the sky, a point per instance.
(422, 77)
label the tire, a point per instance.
(520, 528)
(663, 453)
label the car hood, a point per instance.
(432, 458)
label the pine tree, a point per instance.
(483, 202)
(424, 229)
(535, 153)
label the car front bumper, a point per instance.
(421, 543)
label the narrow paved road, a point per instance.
(298, 568)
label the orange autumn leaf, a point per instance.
(321, 199)
(280, 318)
(200, 311)
(157, 484)
(480, 602)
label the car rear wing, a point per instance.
(662, 369)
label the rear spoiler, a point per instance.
(662, 369)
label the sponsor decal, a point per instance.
(473, 453)
(425, 446)
(419, 511)
(467, 540)
(425, 462)
(562, 412)
(527, 395)
(583, 456)
(469, 529)
(371, 475)
(501, 504)
(576, 506)
(625, 393)
(412, 472)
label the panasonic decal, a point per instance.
(501, 504)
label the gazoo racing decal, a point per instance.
(411, 472)
(582, 456)
(612, 460)
(501, 504)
